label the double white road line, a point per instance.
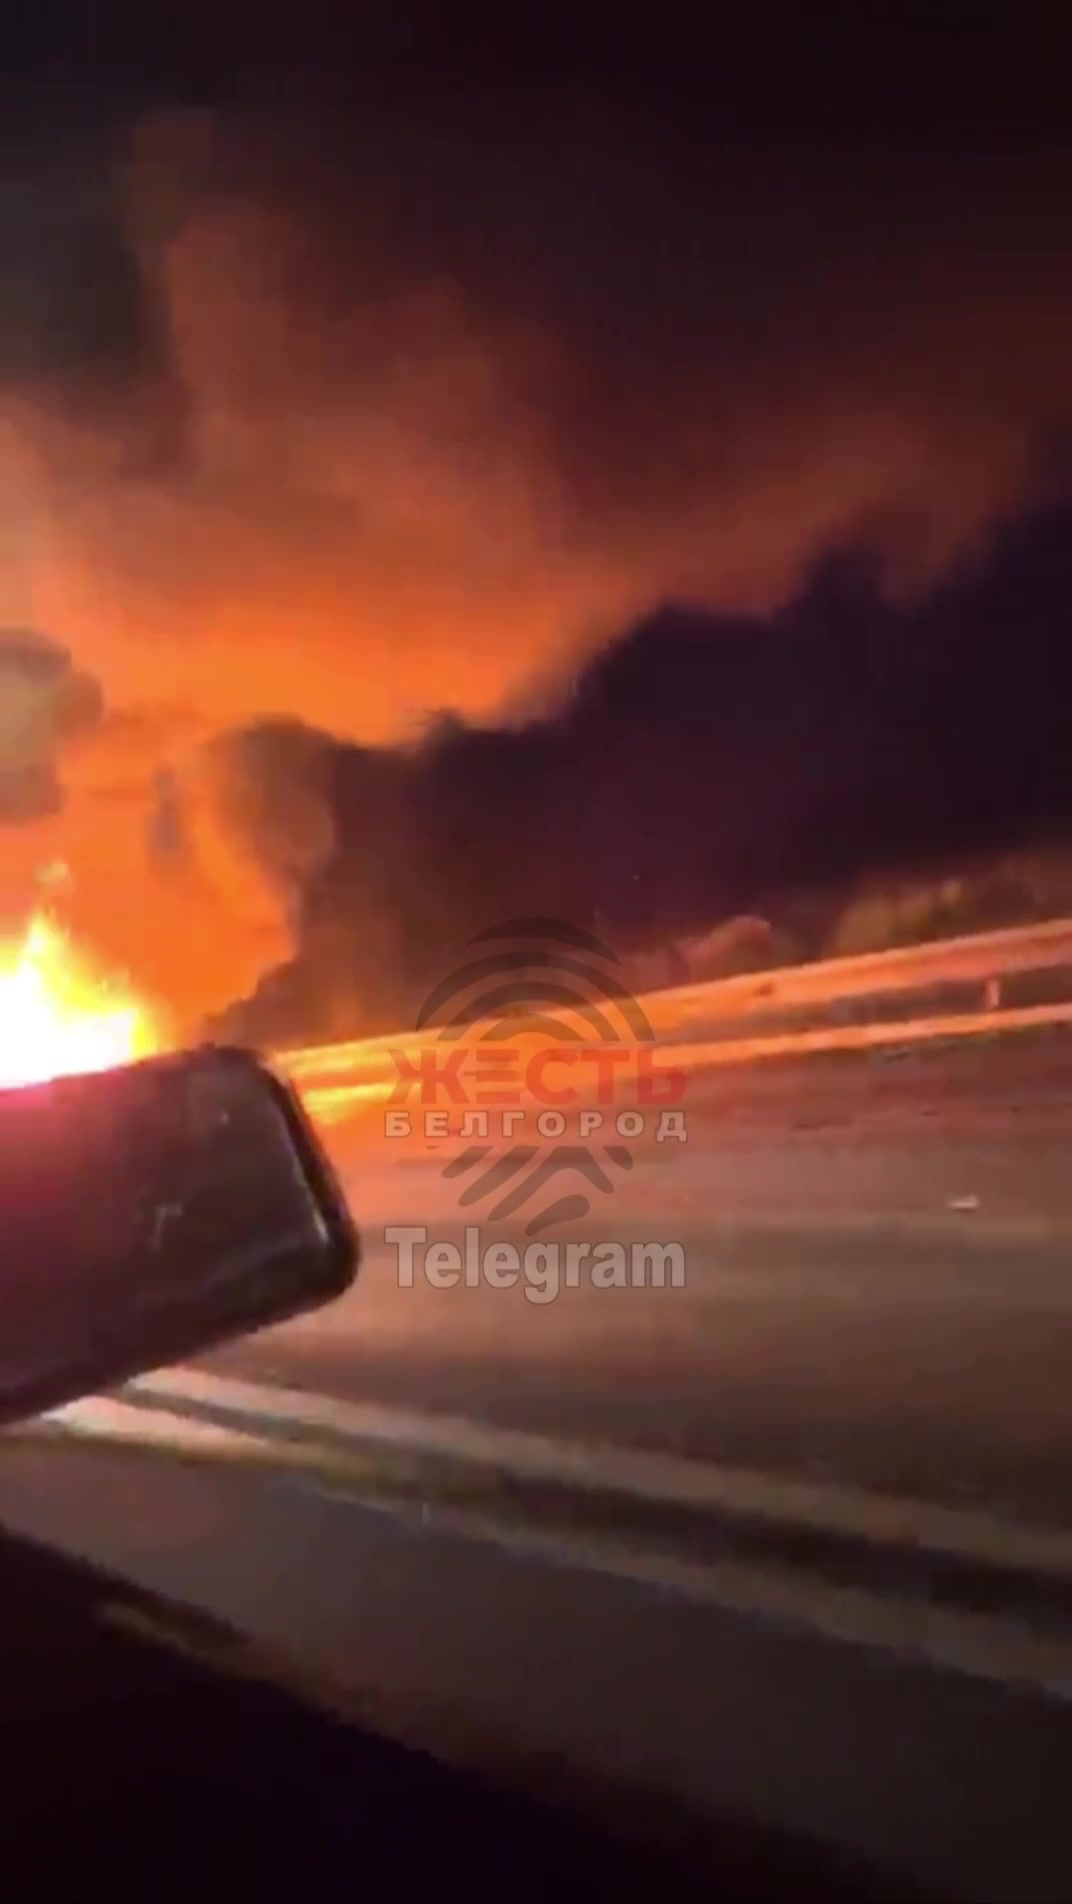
(965, 1590)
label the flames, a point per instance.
(59, 1016)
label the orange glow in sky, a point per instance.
(57, 1016)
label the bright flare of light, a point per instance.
(57, 1017)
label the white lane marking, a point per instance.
(101, 1418)
(826, 1507)
(1002, 1651)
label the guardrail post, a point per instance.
(992, 995)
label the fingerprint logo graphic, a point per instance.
(536, 985)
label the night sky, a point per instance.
(576, 470)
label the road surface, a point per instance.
(878, 1284)
(877, 1289)
(148, 1754)
(555, 1668)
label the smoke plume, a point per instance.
(346, 422)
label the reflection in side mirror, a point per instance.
(149, 1212)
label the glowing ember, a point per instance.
(57, 1017)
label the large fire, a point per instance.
(58, 1017)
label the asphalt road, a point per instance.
(878, 1263)
(877, 1283)
(567, 1673)
(148, 1753)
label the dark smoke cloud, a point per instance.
(703, 766)
(77, 316)
(326, 406)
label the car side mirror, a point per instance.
(149, 1212)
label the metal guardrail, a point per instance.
(984, 958)
(349, 1091)
(978, 958)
